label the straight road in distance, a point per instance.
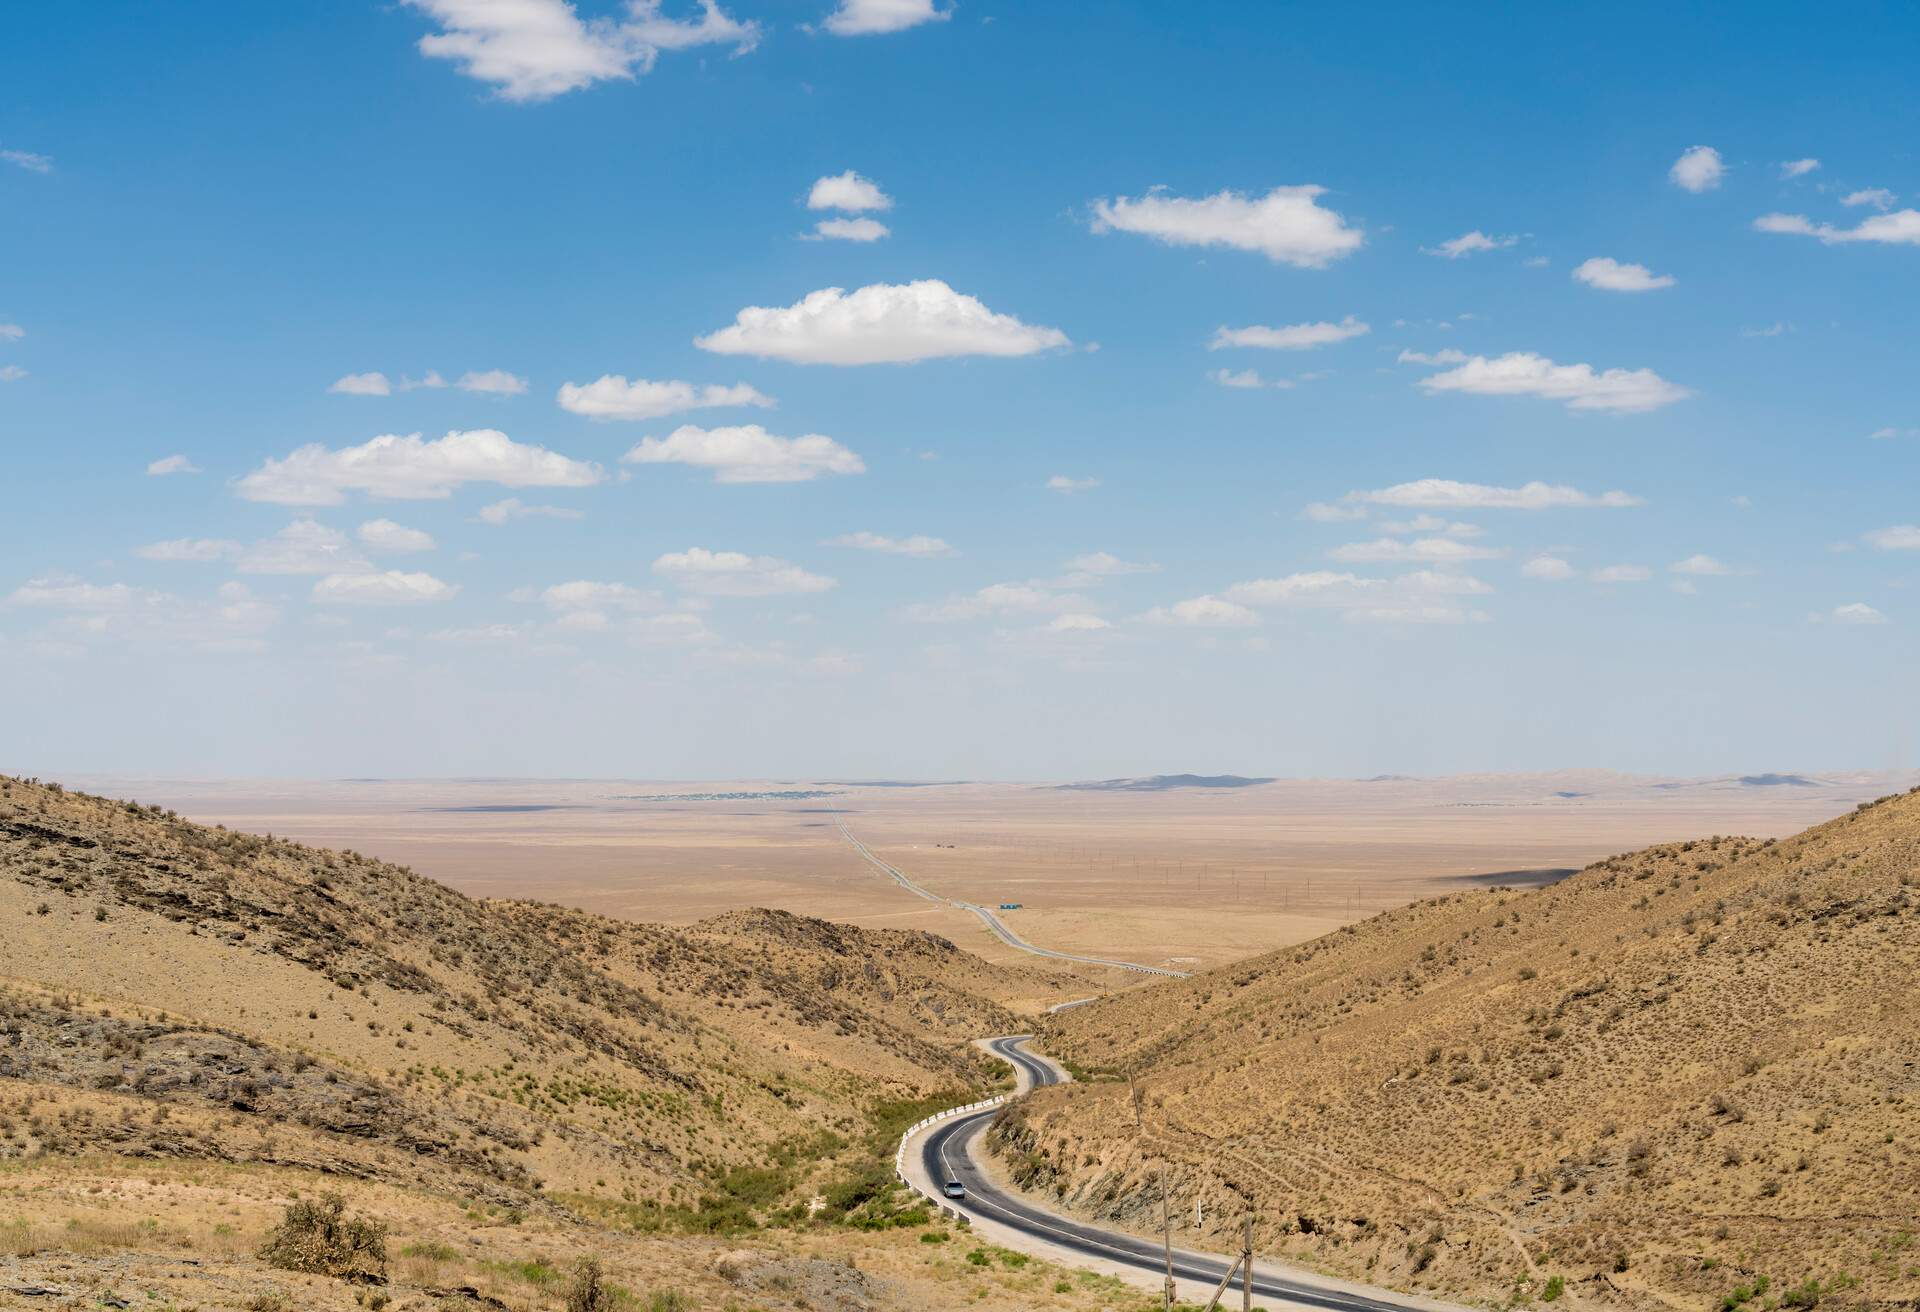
(987, 917)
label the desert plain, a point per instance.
(1184, 876)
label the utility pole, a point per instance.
(1166, 1224)
(1246, 1270)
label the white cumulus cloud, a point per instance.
(411, 468)
(171, 465)
(381, 588)
(1431, 524)
(385, 535)
(1698, 169)
(1207, 612)
(1288, 225)
(1609, 275)
(367, 384)
(1621, 574)
(1312, 588)
(861, 230)
(1093, 566)
(1699, 565)
(1900, 228)
(884, 323)
(1064, 483)
(594, 596)
(848, 191)
(532, 50)
(303, 547)
(918, 545)
(1857, 612)
(56, 592)
(1421, 596)
(1449, 494)
(1551, 568)
(1077, 622)
(494, 382)
(736, 574)
(747, 453)
(1291, 337)
(1579, 386)
(233, 622)
(1246, 379)
(1901, 537)
(1798, 168)
(614, 396)
(1878, 197)
(1438, 550)
(874, 17)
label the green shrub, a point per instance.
(1556, 1286)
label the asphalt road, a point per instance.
(991, 921)
(947, 1154)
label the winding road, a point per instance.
(992, 922)
(948, 1151)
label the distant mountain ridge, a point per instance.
(1160, 783)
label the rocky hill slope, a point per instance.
(1684, 1075)
(171, 990)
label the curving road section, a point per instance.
(948, 1152)
(991, 921)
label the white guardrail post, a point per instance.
(900, 1154)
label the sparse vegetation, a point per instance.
(316, 1236)
(1698, 1043)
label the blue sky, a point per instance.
(1294, 390)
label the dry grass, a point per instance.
(1680, 1069)
(93, 1239)
(204, 993)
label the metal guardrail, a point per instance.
(900, 1154)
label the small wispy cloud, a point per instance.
(28, 160)
(1470, 243)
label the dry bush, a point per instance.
(586, 1290)
(318, 1237)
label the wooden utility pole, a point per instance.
(1246, 1269)
(1242, 1264)
(1166, 1224)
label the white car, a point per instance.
(954, 1189)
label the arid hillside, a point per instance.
(1685, 1075)
(323, 1008)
